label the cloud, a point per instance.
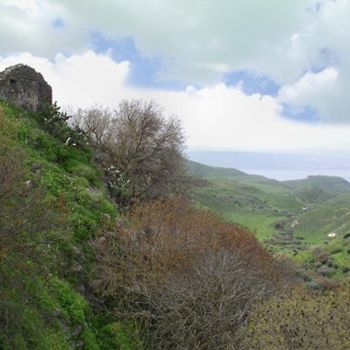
(324, 91)
(79, 80)
(29, 25)
(217, 116)
(198, 40)
(292, 44)
(305, 87)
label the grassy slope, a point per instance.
(290, 216)
(254, 201)
(54, 312)
(317, 188)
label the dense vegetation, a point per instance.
(53, 202)
(300, 320)
(99, 249)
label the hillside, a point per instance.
(292, 217)
(315, 188)
(199, 169)
(80, 270)
(53, 203)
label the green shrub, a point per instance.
(119, 336)
(73, 304)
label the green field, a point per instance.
(289, 217)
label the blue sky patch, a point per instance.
(145, 71)
(301, 113)
(58, 23)
(252, 83)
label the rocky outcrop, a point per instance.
(22, 86)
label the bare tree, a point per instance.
(97, 123)
(140, 150)
(190, 278)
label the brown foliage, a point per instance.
(140, 150)
(189, 277)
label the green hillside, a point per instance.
(64, 276)
(205, 170)
(316, 188)
(53, 202)
(292, 217)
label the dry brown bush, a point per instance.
(190, 278)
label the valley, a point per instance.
(307, 220)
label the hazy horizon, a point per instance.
(277, 166)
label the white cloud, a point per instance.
(27, 25)
(326, 91)
(201, 40)
(217, 116)
(198, 40)
(301, 91)
(78, 80)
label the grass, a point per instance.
(40, 291)
(304, 211)
(262, 225)
(253, 202)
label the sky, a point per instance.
(244, 75)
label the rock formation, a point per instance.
(22, 86)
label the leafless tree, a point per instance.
(140, 150)
(98, 124)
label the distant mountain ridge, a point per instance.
(315, 185)
(280, 166)
(331, 185)
(199, 169)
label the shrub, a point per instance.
(300, 320)
(320, 255)
(184, 274)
